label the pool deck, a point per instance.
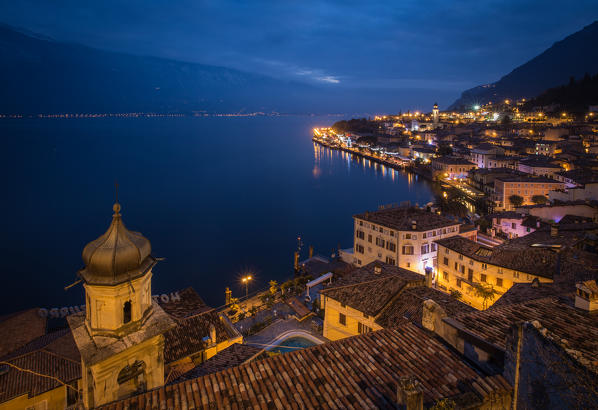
(280, 328)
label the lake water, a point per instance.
(215, 196)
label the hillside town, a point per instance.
(485, 299)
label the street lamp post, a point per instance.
(245, 280)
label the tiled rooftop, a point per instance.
(357, 372)
(409, 306)
(234, 355)
(20, 328)
(520, 255)
(190, 304)
(578, 327)
(187, 337)
(401, 218)
(54, 355)
(452, 161)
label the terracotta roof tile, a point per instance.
(357, 372)
(400, 219)
(52, 356)
(234, 355)
(188, 304)
(558, 314)
(368, 291)
(188, 336)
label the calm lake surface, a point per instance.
(215, 196)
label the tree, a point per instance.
(273, 287)
(487, 293)
(234, 305)
(456, 294)
(539, 199)
(516, 200)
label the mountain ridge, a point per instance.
(551, 68)
(42, 75)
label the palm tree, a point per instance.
(273, 287)
(487, 293)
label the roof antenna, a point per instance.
(116, 191)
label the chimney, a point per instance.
(586, 296)
(414, 225)
(213, 334)
(554, 230)
(410, 394)
(429, 276)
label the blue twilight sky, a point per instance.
(444, 45)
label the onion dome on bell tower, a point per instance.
(119, 255)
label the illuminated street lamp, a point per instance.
(245, 280)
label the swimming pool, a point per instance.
(292, 344)
(293, 340)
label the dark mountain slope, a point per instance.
(39, 75)
(573, 56)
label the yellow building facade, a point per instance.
(460, 272)
(342, 321)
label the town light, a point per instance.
(246, 280)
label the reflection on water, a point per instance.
(327, 158)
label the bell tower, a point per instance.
(119, 335)
(435, 113)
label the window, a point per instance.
(484, 266)
(456, 266)
(391, 246)
(499, 282)
(458, 283)
(380, 242)
(407, 236)
(408, 264)
(460, 257)
(462, 269)
(392, 233)
(445, 261)
(470, 276)
(446, 251)
(361, 328)
(433, 247)
(359, 248)
(370, 238)
(360, 223)
(360, 234)
(390, 261)
(444, 275)
(483, 277)
(513, 226)
(425, 233)
(414, 236)
(425, 249)
(407, 250)
(342, 319)
(127, 312)
(500, 271)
